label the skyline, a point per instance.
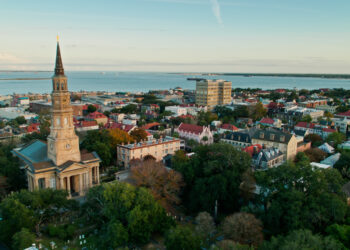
(178, 36)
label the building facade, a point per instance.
(213, 92)
(200, 134)
(158, 149)
(58, 163)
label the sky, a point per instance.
(262, 36)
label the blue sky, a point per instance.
(301, 36)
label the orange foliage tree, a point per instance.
(119, 136)
(139, 134)
(164, 184)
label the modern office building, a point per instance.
(213, 92)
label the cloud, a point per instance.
(216, 10)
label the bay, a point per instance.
(13, 82)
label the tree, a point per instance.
(343, 164)
(119, 136)
(231, 245)
(139, 134)
(315, 139)
(247, 186)
(125, 213)
(243, 228)
(306, 118)
(181, 237)
(20, 120)
(340, 233)
(205, 118)
(23, 239)
(10, 168)
(295, 196)
(258, 111)
(164, 184)
(205, 227)
(103, 144)
(30, 210)
(129, 109)
(213, 174)
(315, 154)
(336, 138)
(241, 111)
(302, 239)
(91, 108)
(328, 115)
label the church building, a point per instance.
(58, 163)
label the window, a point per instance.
(58, 121)
(53, 183)
(41, 183)
(261, 135)
(272, 137)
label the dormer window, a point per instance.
(282, 138)
(272, 137)
(261, 135)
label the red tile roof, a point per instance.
(150, 125)
(229, 127)
(329, 130)
(250, 149)
(96, 115)
(190, 128)
(347, 113)
(267, 121)
(305, 125)
(124, 127)
(85, 124)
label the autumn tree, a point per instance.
(315, 154)
(119, 136)
(243, 228)
(164, 184)
(247, 186)
(315, 139)
(139, 134)
(205, 227)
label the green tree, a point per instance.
(91, 108)
(205, 227)
(181, 237)
(101, 142)
(23, 239)
(315, 139)
(213, 174)
(129, 109)
(306, 118)
(343, 164)
(336, 138)
(294, 196)
(302, 240)
(340, 233)
(20, 120)
(258, 111)
(124, 209)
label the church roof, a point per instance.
(59, 65)
(33, 152)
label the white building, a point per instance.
(176, 110)
(200, 134)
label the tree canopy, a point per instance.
(213, 174)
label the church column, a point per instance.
(90, 177)
(81, 190)
(68, 186)
(98, 175)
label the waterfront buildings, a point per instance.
(213, 92)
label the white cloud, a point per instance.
(216, 10)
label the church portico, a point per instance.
(59, 163)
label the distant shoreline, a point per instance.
(325, 76)
(23, 79)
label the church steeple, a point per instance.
(59, 65)
(63, 143)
